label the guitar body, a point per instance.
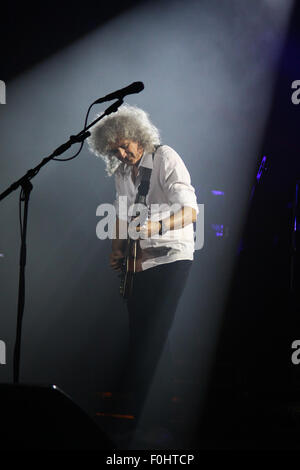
(128, 268)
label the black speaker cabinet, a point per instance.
(43, 417)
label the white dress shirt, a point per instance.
(170, 184)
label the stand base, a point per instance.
(43, 417)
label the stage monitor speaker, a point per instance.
(43, 417)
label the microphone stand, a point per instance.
(26, 188)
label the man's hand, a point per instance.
(149, 229)
(115, 258)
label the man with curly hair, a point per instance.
(130, 145)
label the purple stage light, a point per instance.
(217, 193)
(219, 229)
(261, 168)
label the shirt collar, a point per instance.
(147, 161)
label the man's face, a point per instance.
(127, 151)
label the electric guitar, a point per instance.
(128, 268)
(132, 252)
(130, 263)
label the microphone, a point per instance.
(135, 87)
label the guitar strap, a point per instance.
(145, 182)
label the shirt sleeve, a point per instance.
(176, 181)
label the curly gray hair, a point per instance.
(130, 123)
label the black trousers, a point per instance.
(151, 308)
